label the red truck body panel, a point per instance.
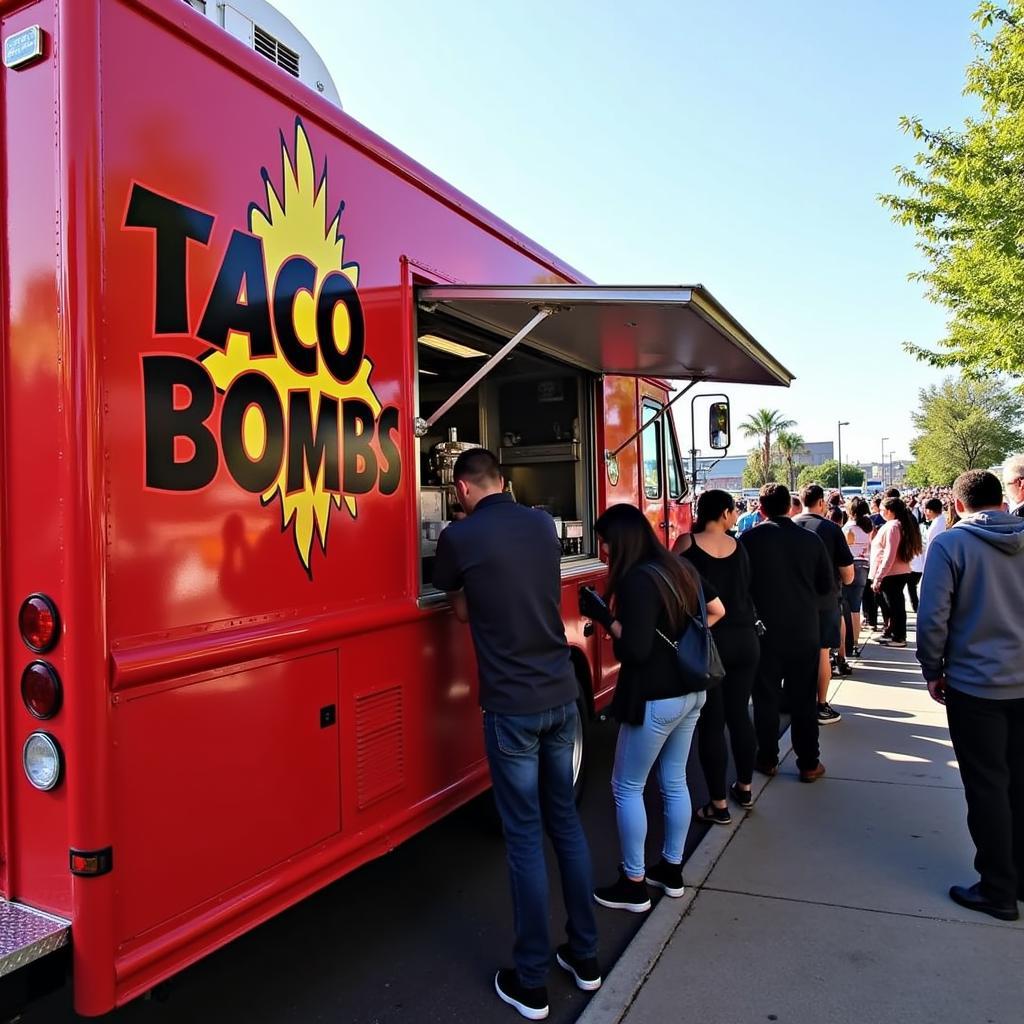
(159, 179)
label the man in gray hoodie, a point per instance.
(970, 643)
(1013, 481)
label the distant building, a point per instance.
(725, 474)
(814, 453)
(892, 473)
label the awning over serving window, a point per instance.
(667, 332)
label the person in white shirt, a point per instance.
(916, 569)
(935, 521)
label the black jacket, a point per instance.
(791, 572)
(506, 558)
(838, 550)
(649, 670)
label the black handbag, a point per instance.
(697, 658)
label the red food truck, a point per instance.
(243, 341)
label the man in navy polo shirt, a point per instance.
(500, 566)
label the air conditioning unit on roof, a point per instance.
(264, 29)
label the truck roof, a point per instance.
(211, 37)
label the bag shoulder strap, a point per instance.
(675, 593)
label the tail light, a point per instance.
(39, 623)
(42, 760)
(41, 689)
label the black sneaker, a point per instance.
(827, 715)
(667, 877)
(532, 1003)
(843, 668)
(744, 797)
(625, 894)
(713, 815)
(583, 968)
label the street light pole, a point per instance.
(892, 470)
(839, 468)
(884, 439)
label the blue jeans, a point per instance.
(663, 738)
(531, 769)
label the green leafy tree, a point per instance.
(789, 445)
(827, 474)
(965, 200)
(918, 476)
(764, 425)
(965, 424)
(755, 474)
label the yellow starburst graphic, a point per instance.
(298, 222)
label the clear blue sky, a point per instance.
(738, 145)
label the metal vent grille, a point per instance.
(273, 49)
(380, 745)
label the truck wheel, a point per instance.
(487, 810)
(581, 748)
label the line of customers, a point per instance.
(768, 597)
(764, 595)
(501, 568)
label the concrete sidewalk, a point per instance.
(828, 902)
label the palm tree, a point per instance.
(762, 425)
(789, 445)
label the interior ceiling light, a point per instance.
(429, 373)
(453, 348)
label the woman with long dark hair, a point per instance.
(652, 595)
(899, 540)
(715, 554)
(858, 532)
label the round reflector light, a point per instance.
(41, 690)
(42, 759)
(39, 623)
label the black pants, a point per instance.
(870, 606)
(847, 611)
(892, 590)
(915, 578)
(873, 604)
(988, 737)
(728, 704)
(800, 670)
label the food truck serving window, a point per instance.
(501, 392)
(533, 412)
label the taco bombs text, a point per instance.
(290, 419)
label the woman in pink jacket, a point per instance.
(898, 541)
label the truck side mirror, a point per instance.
(719, 430)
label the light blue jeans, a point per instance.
(664, 738)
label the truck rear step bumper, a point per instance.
(27, 935)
